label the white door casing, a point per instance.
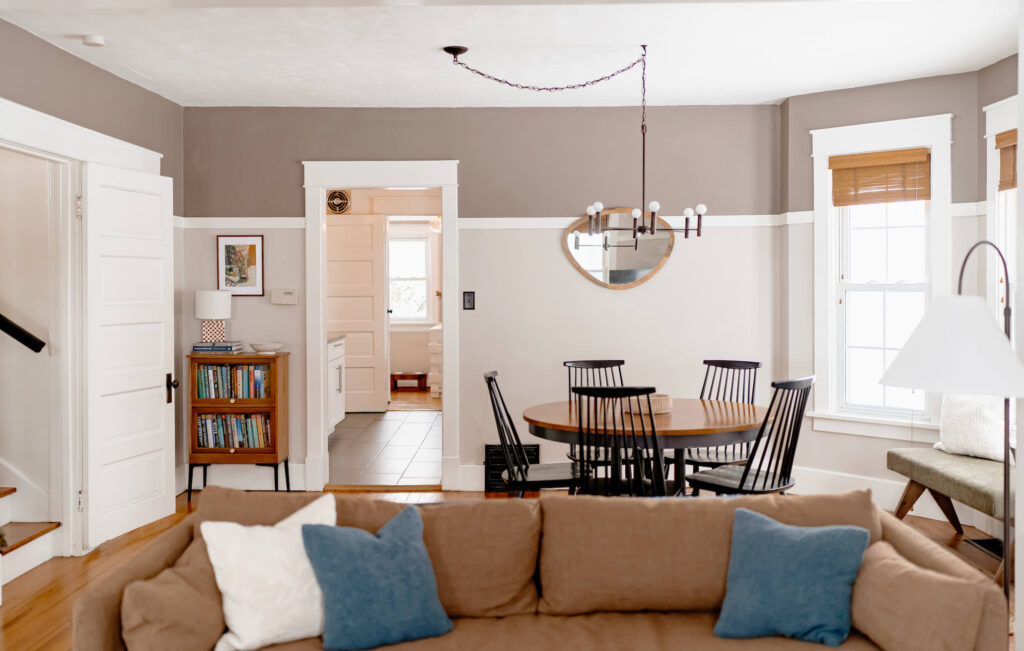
(357, 304)
(129, 334)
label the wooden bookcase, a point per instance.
(272, 408)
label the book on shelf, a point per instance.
(223, 381)
(217, 347)
(233, 430)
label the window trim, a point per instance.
(999, 117)
(934, 132)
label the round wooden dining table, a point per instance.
(691, 423)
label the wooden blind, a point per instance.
(881, 177)
(1006, 143)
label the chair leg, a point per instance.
(946, 505)
(908, 499)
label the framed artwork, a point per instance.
(240, 264)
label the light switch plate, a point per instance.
(284, 296)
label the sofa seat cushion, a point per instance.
(484, 552)
(601, 631)
(978, 483)
(630, 554)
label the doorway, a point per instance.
(322, 178)
(384, 276)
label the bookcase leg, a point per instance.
(287, 479)
(204, 474)
(190, 469)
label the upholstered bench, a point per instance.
(978, 483)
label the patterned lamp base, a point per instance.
(213, 331)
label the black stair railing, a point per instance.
(21, 335)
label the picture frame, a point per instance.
(240, 264)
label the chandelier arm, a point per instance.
(549, 89)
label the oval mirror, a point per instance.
(614, 259)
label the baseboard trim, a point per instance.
(886, 494)
(242, 477)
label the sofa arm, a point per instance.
(96, 621)
(993, 634)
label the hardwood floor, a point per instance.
(36, 613)
(413, 401)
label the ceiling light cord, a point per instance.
(552, 89)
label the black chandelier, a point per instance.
(597, 222)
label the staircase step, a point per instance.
(7, 490)
(18, 534)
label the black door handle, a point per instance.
(171, 384)
(390, 310)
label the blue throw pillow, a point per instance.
(377, 589)
(792, 581)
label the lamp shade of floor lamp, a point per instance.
(213, 307)
(958, 348)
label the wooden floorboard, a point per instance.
(413, 401)
(36, 613)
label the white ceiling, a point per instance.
(384, 54)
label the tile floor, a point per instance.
(391, 449)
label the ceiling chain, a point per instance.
(642, 61)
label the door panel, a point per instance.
(129, 435)
(357, 303)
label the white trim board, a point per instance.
(28, 128)
(249, 223)
(242, 477)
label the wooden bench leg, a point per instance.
(909, 498)
(946, 505)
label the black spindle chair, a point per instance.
(619, 449)
(592, 373)
(769, 469)
(733, 381)
(520, 475)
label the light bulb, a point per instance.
(598, 206)
(654, 206)
(701, 209)
(636, 213)
(591, 211)
(688, 212)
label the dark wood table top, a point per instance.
(689, 417)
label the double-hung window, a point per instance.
(409, 279)
(880, 203)
(1004, 228)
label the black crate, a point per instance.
(494, 465)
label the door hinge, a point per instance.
(80, 503)
(78, 206)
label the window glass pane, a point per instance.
(864, 368)
(903, 311)
(907, 255)
(407, 258)
(409, 299)
(899, 397)
(867, 216)
(864, 319)
(906, 213)
(590, 254)
(867, 255)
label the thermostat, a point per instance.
(284, 296)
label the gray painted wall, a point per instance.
(513, 162)
(43, 77)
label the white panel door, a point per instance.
(129, 344)
(357, 305)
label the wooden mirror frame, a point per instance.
(582, 221)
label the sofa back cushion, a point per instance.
(484, 552)
(625, 554)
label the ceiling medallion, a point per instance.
(338, 202)
(597, 222)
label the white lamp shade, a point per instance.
(958, 348)
(213, 305)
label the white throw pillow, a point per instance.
(972, 426)
(270, 594)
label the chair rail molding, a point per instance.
(934, 132)
(318, 177)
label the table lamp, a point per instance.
(958, 348)
(213, 307)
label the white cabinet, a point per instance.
(335, 381)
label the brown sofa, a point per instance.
(555, 573)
